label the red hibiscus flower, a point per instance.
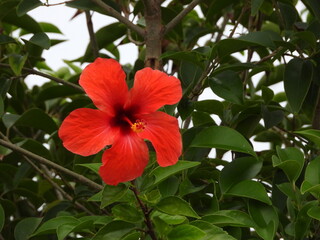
(124, 118)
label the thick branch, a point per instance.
(51, 164)
(93, 40)
(181, 15)
(35, 72)
(118, 16)
(154, 33)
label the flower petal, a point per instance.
(104, 82)
(152, 89)
(86, 131)
(125, 160)
(162, 131)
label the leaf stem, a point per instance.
(93, 40)
(51, 164)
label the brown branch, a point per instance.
(146, 212)
(154, 33)
(180, 16)
(51, 164)
(118, 16)
(35, 72)
(93, 40)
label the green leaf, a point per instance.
(4, 39)
(297, 79)
(92, 166)
(49, 27)
(311, 134)
(250, 189)
(186, 232)
(111, 194)
(303, 220)
(161, 173)
(127, 213)
(255, 6)
(311, 181)
(290, 160)
(113, 230)
(35, 118)
(223, 138)
(51, 225)
(41, 39)
(169, 219)
(210, 106)
(57, 92)
(17, 62)
(64, 230)
(234, 218)
(26, 227)
(228, 86)
(271, 118)
(238, 170)
(314, 212)
(212, 231)
(2, 218)
(176, 206)
(27, 5)
(314, 6)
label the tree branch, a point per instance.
(181, 15)
(118, 16)
(93, 40)
(35, 72)
(51, 164)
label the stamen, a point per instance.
(138, 126)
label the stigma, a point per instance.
(138, 126)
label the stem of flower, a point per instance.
(146, 212)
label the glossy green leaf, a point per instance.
(113, 230)
(238, 170)
(228, 86)
(223, 138)
(26, 6)
(56, 92)
(127, 213)
(186, 232)
(209, 106)
(26, 227)
(25, 22)
(92, 166)
(311, 181)
(49, 27)
(250, 189)
(64, 230)
(265, 218)
(303, 220)
(35, 118)
(169, 219)
(311, 134)
(51, 225)
(161, 173)
(297, 79)
(290, 160)
(271, 118)
(212, 231)
(41, 39)
(314, 212)
(112, 194)
(89, 5)
(234, 218)
(176, 206)
(2, 217)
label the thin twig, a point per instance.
(93, 40)
(145, 211)
(118, 16)
(51, 164)
(35, 72)
(180, 16)
(244, 9)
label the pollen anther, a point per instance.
(138, 126)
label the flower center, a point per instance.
(138, 126)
